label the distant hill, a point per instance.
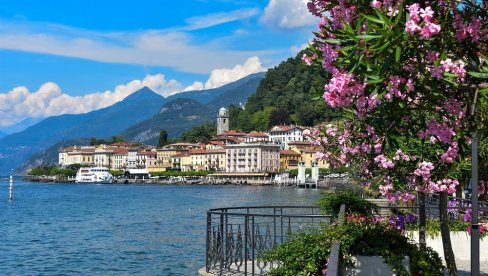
(16, 148)
(2, 134)
(206, 96)
(18, 127)
(182, 114)
(175, 117)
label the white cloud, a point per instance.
(173, 48)
(49, 100)
(219, 77)
(209, 20)
(295, 49)
(288, 14)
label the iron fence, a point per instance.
(235, 235)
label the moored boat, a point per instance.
(94, 175)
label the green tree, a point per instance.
(163, 138)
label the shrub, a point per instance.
(331, 203)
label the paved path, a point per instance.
(464, 268)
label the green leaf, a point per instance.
(368, 36)
(398, 53)
(449, 74)
(374, 19)
(479, 75)
(333, 41)
(382, 48)
(387, 64)
(357, 63)
(374, 81)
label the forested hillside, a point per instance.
(290, 93)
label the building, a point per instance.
(222, 121)
(119, 159)
(252, 157)
(308, 156)
(102, 157)
(77, 155)
(289, 159)
(148, 159)
(287, 134)
(255, 136)
(181, 161)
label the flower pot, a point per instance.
(373, 266)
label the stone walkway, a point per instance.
(464, 268)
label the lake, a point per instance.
(53, 229)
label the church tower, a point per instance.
(222, 121)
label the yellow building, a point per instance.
(181, 161)
(289, 160)
(308, 156)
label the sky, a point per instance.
(60, 56)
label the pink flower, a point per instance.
(411, 27)
(413, 11)
(430, 29)
(376, 4)
(432, 56)
(427, 14)
(424, 168)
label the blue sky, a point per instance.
(55, 54)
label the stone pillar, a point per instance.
(301, 172)
(315, 171)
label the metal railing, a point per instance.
(235, 235)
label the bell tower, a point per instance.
(222, 121)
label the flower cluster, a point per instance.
(415, 14)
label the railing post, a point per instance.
(253, 242)
(246, 234)
(222, 242)
(207, 249)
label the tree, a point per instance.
(163, 138)
(404, 74)
(117, 139)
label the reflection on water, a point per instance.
(118, 229)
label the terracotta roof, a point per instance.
(182, 154)
(232, 133)
(197, 151)
(285, 128)
(289, 153)
(215, 151)
(120, 151)
(146, 152)
(257, 134)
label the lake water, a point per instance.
(59, 229)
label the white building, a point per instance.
(253, 157)
(285, 134)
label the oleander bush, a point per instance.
(330, 203)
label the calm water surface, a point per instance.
(59, 229)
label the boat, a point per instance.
(94, 175)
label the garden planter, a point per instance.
(373, 266)
(381, 202)
(461, 245)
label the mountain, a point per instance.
(18, 127)
(205, 96)
(186, 110)
(175, 117)
(105, 122)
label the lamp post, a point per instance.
(475, 233)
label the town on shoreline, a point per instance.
(284, 155)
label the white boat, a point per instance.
(94, 175)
